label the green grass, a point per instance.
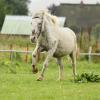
(18, 83)
(22, 85)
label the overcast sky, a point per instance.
(42, 4)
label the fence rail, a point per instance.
(89, 54)
(19, 51)
(23, 51)
(92, 54)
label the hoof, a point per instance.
(40, 78)
(75, 74)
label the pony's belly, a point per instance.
(60, 52)
(56, 54)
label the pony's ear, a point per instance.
(54, 20)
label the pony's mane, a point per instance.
(53, 18)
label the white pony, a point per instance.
(56, 40)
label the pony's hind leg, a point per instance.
(61, 69)
(73, 58)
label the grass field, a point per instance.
(18, 83)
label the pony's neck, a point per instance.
(49, 27)
(46, 33)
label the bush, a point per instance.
(87, 77)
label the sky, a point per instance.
(36, 5)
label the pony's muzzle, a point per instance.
(32, 38)
(34, 69)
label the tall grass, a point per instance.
(14, 40)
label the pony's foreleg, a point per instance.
(49, 55)
(35, 57)
(61, 69)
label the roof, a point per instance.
(62, 20)
(16, 25)
(81, 3)
(20, 25)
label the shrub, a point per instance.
(87, 77)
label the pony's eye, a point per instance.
(35, 17)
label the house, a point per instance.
(83, 15)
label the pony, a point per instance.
(57, 41)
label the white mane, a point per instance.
(45, 13)
(53, 18)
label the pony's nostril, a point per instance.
(33, 38)
(33, 31)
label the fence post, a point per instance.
(11, 53)
(89, 54)
(26, 57)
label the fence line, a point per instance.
(19, 51)
(89, 54)
(92, 54)
(23, 51)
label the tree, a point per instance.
(13, 7)
(52, 9)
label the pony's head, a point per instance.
(37, 21)
(40, 20)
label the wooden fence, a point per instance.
(89, 54)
